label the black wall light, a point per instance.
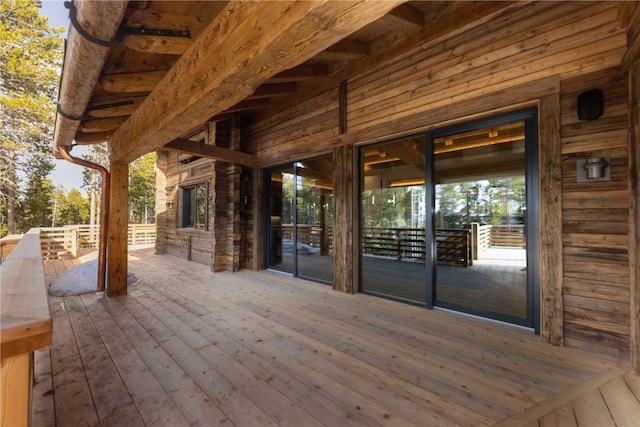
(590, 104)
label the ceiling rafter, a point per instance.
(214, 75)
(211, 151)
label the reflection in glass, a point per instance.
(281, 224)
(392, 235)
(301, 219)
(480, 197)
(314, 219)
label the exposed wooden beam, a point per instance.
(92, 138)
(215, 73)
(249, 104)
(119, 107)
(408, 15)
(157, 44)
(102, 125)
(144, 81)
(345, 49)
(143, 18)
(301, 73)
(634, 212)
(83, 64)
(277, 89)
(211, 152)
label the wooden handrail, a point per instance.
(25, 325)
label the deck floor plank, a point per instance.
(562, 417)
(74, 405)
(275, 346)
(622, 403)
(592, 411)
(43, 408)
(148, 395)
(231, 401)
(192, 347)
(111, 397)
(196, 406)
(281, 409)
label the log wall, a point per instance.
(529, 52)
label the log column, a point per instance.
(634, 211)
(118, 225)
(162, 159)
(345, 271)
(550, 176)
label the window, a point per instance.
(195, 203)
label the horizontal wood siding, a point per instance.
(308, 126)
(595, 218)
(526, 52)
(196, 245)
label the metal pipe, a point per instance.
(104, 214)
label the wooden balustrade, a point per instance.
(61, 242)
(25, 326)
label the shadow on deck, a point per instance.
(190, 347)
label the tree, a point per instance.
(35, 204)
(31, 56)
(142, 189)
(75, 209)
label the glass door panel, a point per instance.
(479, 222)
(314, 219)
(393, 219)
(281, 239)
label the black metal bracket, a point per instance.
(73, 17)
(154, 32)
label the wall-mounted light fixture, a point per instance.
(169, 204)
(590, 104)
(594, 169)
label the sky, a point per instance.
(65, 174)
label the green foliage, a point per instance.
(30, 60)
(75, 209)
(35, 204)
(142, 189)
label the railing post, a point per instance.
(74, 242)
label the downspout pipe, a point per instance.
(104, 215)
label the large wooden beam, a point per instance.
(244, 46)
(83, 64)
(550, 167)
(211, 152)
(164, 45)
(634, 211)
(132, 82)
(117, 265)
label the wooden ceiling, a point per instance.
(155, 34)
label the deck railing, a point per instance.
(61, 242)
(25, 326)
(453, 246)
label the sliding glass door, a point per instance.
(450, 220)
(300, 219)
(483, 185)
(393, 219)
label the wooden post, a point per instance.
(74, 242)
(15, 381)
(162, 160)
(550, 175)
(258, 204)
(118, 230)
(634, 212)
(345, 266)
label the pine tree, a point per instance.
(30, 59)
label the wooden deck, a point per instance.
(190, 347)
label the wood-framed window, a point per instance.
(195, 206)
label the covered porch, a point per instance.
(190, 347)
